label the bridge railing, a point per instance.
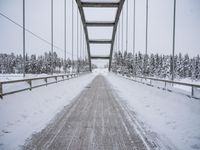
(168, 85)
(15, 86)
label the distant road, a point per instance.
(94, 121)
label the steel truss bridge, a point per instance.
(82, 4)
(113, 24)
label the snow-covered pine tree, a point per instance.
(197, 68)
(152, 65)
(186, 66)
(145, 70)
(130, 63)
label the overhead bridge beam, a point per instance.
(113, 24)
(96, 4)
(100, 41)
(100, 57)
(100, 24)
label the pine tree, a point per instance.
(32, 65)
(145, 70)
(140, 64)
(186, 66)
(197, 68)
(152, 65)
(130, 62)
(114, 62)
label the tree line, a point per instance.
(155, 65)
(13, 63)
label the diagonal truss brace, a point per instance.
(114, 30)
(85, 30)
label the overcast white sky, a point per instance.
(159, 35)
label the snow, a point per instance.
(103, 71)
(173, 117)
(25, 113)
(181, 89)
(8, 77)
(186, 88)
(23, 85)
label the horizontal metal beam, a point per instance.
(30, 86)
(100, 24)
(100, 41)
(97, 4)
(100, 57)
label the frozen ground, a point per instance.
(94, 121)
(174, 118)
(186, 88)
(27, 112)
(177, 88)
(171, 119)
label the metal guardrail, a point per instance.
(193, 86)
(29, 81)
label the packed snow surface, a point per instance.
(27, 112)
(175, 118)
(172, 117)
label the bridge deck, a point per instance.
(95, 120)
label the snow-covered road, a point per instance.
(95, 121)
(24, 113)
(172, 118)
(169, 120)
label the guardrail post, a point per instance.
(56, 79)
(63, 77)
(165, 84)
(192, 94)
(45, 79)
(30, 84)
(1, 90)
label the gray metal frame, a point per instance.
(144, 79)
(115, 29)
(85, 30)
(30, 85)
(118, 5)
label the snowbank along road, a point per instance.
(95, 120)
